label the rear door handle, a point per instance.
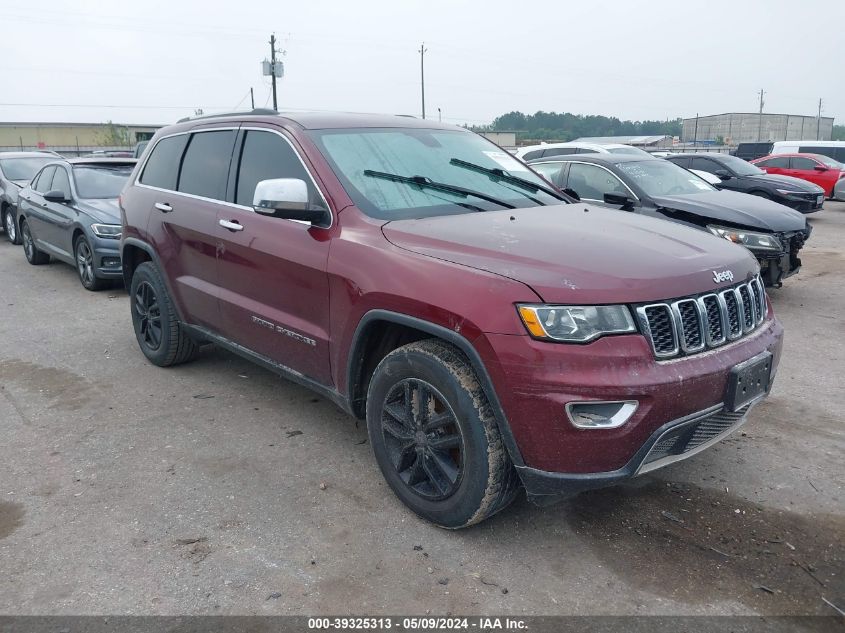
(231, 225)
(163, 207)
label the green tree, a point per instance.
(114, 135)
(838, 133)
(565, 126)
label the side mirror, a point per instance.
(571, 193)
(56, 196)
(820, 168)
(618, 199)
(723, 174)
(286, 198)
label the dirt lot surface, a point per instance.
(218, 488)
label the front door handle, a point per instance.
(231, 225)
(163, 207)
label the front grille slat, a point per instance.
(693, 324)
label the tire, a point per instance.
(157, 329)
(83, 254)
(457, 472)
(33, 255)
(10, 226)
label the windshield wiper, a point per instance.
(428, 183)
(500, 174)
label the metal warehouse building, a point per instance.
(750, 127)
(72, 137)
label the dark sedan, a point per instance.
(16, 170)
(70, 212)
(738, 175)
(772, 232)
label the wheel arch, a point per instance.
(133, 253)
(381, 331)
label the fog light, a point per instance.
(111, 262)
(592, 414)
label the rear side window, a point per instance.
(162, 168)
(705, 164)
(205, 167)
(42, 185)
(779, 163)
(537, 153)
(264, 156)
(559, 151)
(681, 162)
(799, 162)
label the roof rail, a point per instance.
(222, 114)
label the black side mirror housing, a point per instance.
(723, 174)
(820, 168)
(317, 216)
(571, 193)
(619, 198)
(56, 196)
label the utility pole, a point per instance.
(439, 116)
(819, 122)
(760, 120)
(273, 68)
(422, 52)
(251, 98)
(695, 134)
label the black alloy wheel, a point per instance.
(423, 439)
(148, 313)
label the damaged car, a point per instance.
(773, 232)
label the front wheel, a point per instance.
(10, 226)
(157, 329)
(85, 266)
(435, 438)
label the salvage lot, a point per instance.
(217, 487)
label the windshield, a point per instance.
(24, 168)
(828, 161)
(100, 181)
(739, 166)
(628, 150)
(433, 154)
(662, 178)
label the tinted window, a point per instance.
(592, 182)
(61, 182)
(682, 161)
(45, 180)
(537, 153)
(779, 163)
(23, 168)
(705, 164)
(836, 153)
(738, 166)
(266, 155)
(162, 168)
(559, 151)
(206, 164)
(101, 181)
(806, 164)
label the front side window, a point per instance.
(537, 153)
(44, 181)
(162, 168)
(662, 178)
(363, 159)
(804, 164)
(61, 182)
(100, 181)
(205, 167)
(591, 182)
(705, 164)
(264, 156)
(23, 169)
(738, 166)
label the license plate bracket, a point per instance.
(749, 381)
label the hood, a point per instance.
(102, 210)
(579, 253)
(793, 183)
(736, 209)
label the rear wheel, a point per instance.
(33, 255)
(435, 438)
(157, 329)
(85, 266)
(10, 226)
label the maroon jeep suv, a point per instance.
(494, 333)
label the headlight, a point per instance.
(575, 324)
(748, 239)
(107, 230)
(789, 192)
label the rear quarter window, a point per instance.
(162, 168)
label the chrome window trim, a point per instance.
(137, 182)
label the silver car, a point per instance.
(839, 190)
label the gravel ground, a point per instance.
(218, 488)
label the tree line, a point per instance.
(565, 126)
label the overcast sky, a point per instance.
(154, 61)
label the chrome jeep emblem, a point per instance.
(725, 275)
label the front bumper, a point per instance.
(805, 203)
(775, 267)
(536, 380)
(106, 257)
